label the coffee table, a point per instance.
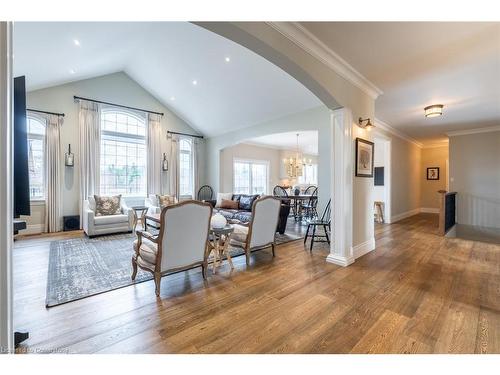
(219, 245)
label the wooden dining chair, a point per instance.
(324, 222)
(309, 208)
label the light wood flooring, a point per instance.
(416, 293)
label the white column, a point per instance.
(6, 173)
(341, 251)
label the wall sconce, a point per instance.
(164, 163)
(367, 126)
(69, 158)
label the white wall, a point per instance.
(115, 88)
(313, 119)
(250, 152)
(475, 176)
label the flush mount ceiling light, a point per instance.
(195, 82)
(76, 42)
(433, 110)
(228, 59)
(368, 124)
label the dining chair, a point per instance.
(310, 207)
(206, 194)
(324, 222)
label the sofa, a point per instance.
(243, 214)
(98, 225)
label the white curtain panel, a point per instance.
(154, 154)
(90, 149)
(196, 166)
(53, 161)
(173, 168)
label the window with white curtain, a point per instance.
(186, 170)
(250, 176)
(36, 159)
(309, 175)
(123, 153)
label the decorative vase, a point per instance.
(218, 221)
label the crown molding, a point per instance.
(384, 126)
(474, 131)
(436, 145)
(303, 38)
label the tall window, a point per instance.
(250, 177)
(123, 153)
(36, 160)
(186, 168)
(309, 175)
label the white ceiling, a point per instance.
(422, 63)
(308, 141)
(164, 58)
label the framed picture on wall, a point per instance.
(433, 173)
(364, 158)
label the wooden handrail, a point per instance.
(447, 208)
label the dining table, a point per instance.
(296, 200)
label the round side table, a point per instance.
(219, 245)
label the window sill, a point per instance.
(37, 202)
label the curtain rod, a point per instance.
(47, 113)
(117, 105)
(187, 135)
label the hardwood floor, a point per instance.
(416, 293)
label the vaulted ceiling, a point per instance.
(416, 64)
(235, 87)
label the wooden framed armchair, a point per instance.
(180, 245)
(260, 233)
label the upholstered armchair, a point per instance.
(260, 233)
(181, 243)
(94, 225)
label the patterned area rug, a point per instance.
(83, 267)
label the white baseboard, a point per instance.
(33, 229)
(363, 248)
(429, 210)
(339, 260)
(416, 211)
(404, 215)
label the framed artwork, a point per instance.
(433, 173)
(364, 158)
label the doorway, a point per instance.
(382, 180)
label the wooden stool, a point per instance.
(379, 211)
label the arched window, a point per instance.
(36, 159)
(123, 153)
(185, 167)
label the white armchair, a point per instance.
(97, 225)
(181, 243)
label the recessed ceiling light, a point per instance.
(433, 110)
(195, 82)
(72, 71)
(76, 42)
(172, 98)
(228, 59)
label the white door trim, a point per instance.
(387, 174)
(341, 251)
(6, 207)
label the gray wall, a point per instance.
(475, 175)
(116, 88)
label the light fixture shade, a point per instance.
(433, 110)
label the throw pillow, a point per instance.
(166, 200)
(106, 206)
(246, 202)
(229, 204)
(221, 196)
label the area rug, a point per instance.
(83, 267)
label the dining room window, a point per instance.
(250, 176)
(186, 170)
(309, 175)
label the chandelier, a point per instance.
(295, 165)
